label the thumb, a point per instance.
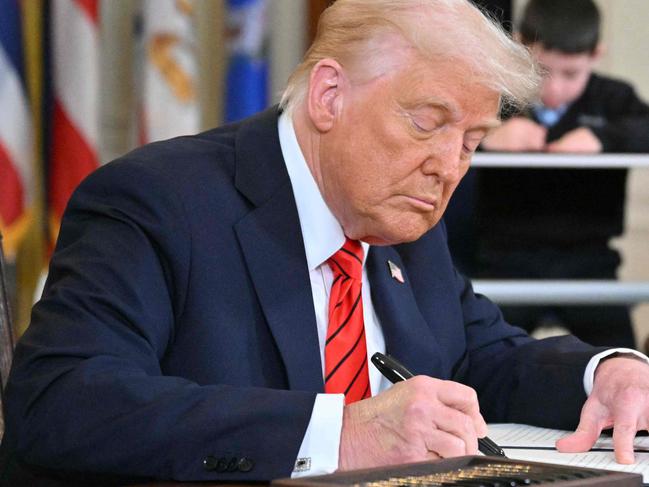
(584, 436)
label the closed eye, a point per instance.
(467, 152)
(417, 126)
(471, 147)
(472, 140)
(423, 129)
(426, 120)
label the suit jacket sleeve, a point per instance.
(517, 378)
(88, 392)
(520, 379)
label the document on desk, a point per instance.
(524, 442)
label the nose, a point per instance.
(445, 157)
(551, 92)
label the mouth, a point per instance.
(426, 203)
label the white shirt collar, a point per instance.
(321, 232)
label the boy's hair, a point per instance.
(568, 26)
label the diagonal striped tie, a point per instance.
(345, 350)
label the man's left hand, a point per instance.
(581, 140)
(620, 399)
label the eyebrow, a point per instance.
(450, 109)
(436, 103)
(433, 103)
(487, 125)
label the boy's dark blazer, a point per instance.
(176, 337)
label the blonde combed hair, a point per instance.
(437, 29)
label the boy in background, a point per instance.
(557, 223)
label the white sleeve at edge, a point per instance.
(589, 374)
(318, 453)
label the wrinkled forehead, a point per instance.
(424, 64)
(451, 88)
(415, 80)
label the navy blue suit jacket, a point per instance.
(177, 322)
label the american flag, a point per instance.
(75, 118)
(16, 143)
(395, 272)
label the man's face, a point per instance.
(399, 148)
(566, 75)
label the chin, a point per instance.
(551, 105)
(402, 235)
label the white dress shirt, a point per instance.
(323, 236)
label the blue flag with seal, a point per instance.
(247, 76)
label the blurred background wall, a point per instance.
(627, 38)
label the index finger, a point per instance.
(464, 399)
(459, 396)
(626, 418)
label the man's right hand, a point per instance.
(420, 419)
(517, 134)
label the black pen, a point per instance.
(397, 372)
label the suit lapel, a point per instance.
(271, 241)
(407, 335)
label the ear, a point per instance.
(598, 52)
(324, 96)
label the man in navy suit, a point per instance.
(182, 329)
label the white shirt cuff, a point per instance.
(318, 453)
(589, 374)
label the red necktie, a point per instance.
(345, 350)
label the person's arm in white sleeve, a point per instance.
(318, 453)
(589, 374)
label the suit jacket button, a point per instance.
(246, 464)
(209, 463)
(233, 464)
(222, 465)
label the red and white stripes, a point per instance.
(16, 149)
(75, 124)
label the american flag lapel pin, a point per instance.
(395, 272)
